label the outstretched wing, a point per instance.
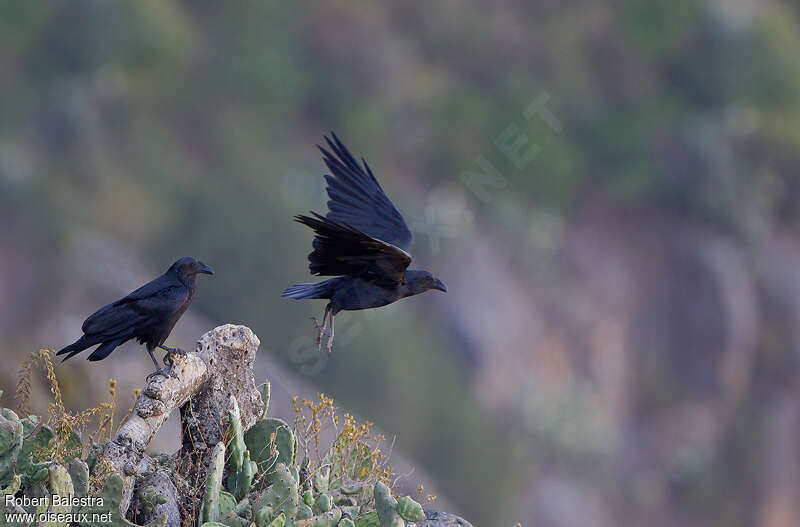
(341, 249)
(357, 199)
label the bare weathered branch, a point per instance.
(220, 367)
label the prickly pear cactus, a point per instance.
(151, 498)
(386, 506)
(59, 483)
(242, 469)
(111, 499)
(327, 519)
(369, 519)
(271, 441)
(280, 521)
(79, 473)
(11, 438)
(254, 481)
(209, 510)
(281, 495)
(323, 503)
(410, 510)
(236, 446)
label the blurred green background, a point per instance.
(605, 187)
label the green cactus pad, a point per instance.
(209, 509)
(111, 498)
(351, 487)
(327, 519)
(236, 446)
(369, 519)
(308, 497)
(323, 503)
(263, 515)
(257, 439)
(237, 515)
(79, 472)
(386, 506)
(59, 483)
(303, 511)
(151, 498)
(281, 495)
(321, 479)
(239, 481)
(11, 440)
(280, 521)
(226, 503)
(12, 487)
(347, 501)
(410, 510)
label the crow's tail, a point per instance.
(104, 349)
(317, 290)
(78, 346)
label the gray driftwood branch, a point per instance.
(221, 366)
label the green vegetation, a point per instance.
(345, 484)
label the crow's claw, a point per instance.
(321, 328)
(165, 372)
(173, 351)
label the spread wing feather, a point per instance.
(357, 199)
(341, 249)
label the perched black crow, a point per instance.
(362, 241)
(147, 315)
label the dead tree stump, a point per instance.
(220, 367)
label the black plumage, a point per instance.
(147, 314)
(361, 241)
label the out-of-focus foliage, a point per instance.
(619, 327)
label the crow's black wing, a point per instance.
(357, 199)
(156, 287)
(147, 305)
(341, 249)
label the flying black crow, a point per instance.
(362, 241)
(147, 315)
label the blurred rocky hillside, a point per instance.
(607, 188)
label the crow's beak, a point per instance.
(205, 269)
(438, 284)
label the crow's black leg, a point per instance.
(159, 370)
(150, 351)
(330, 338)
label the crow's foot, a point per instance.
(173, 351)
(165, 372)
(321, 330)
